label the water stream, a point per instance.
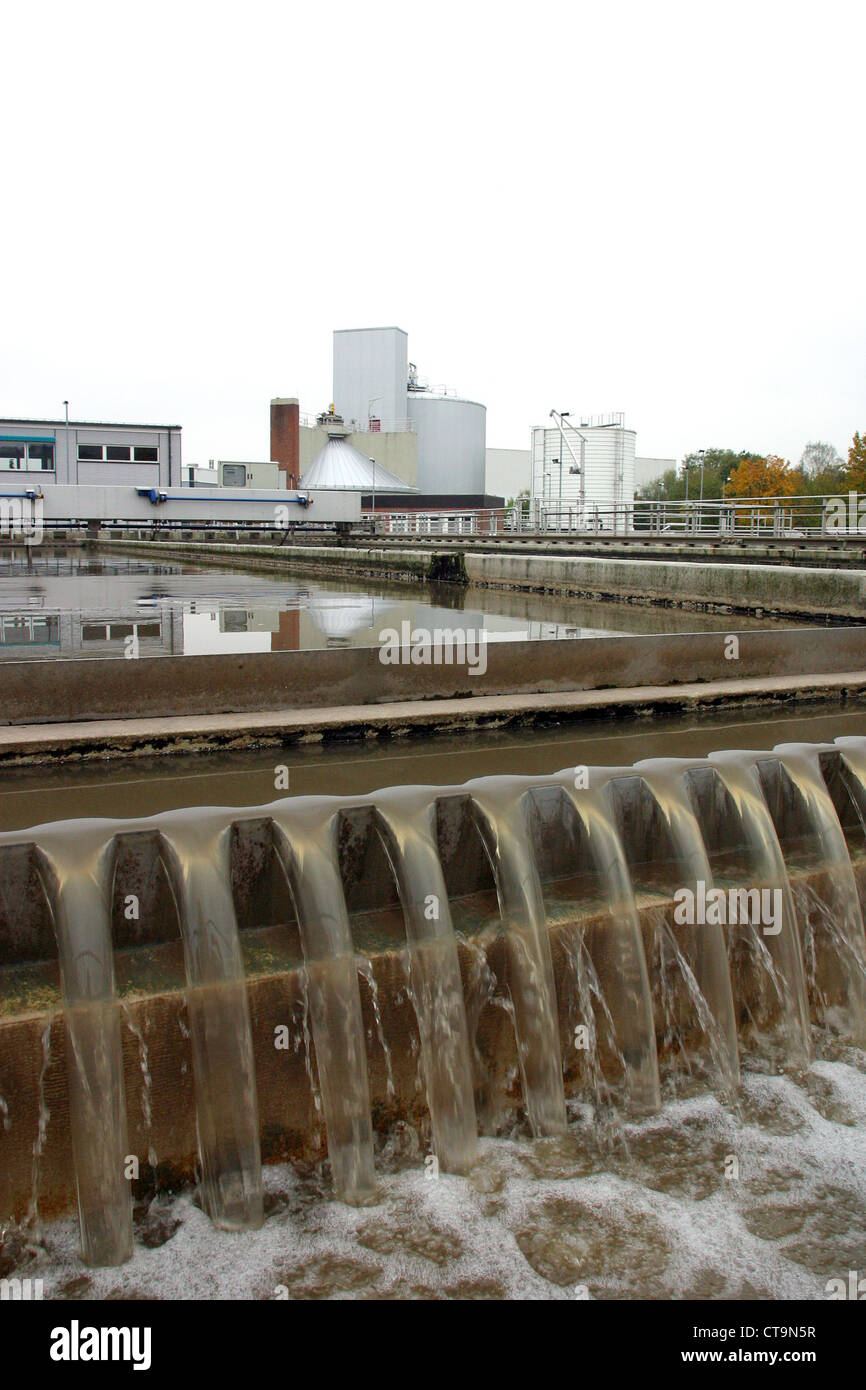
(545, 960)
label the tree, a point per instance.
(855, 473)
(818, 457)
(521, 500)
(764, 477)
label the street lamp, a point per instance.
(577, 468)
(702, 453)
(66, 408)
(373, 461)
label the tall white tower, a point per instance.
(371, 368)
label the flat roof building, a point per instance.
(90, 453)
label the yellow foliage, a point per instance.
(762, 477)
(855, 474)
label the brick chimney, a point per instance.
(285, 438)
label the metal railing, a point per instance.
(791, 518)
(468, 522)
(373, 425)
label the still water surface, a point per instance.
(65, 604)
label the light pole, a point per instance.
(702, 453)
(66, 408)
(371, 402)
(563, 415)
(577, 468)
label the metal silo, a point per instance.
(452, 441)
(584, 459)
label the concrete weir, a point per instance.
(212, 989)
(101, 688)
(788, 590)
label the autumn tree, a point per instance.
(855, 473)
(764, 477)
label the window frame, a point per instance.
(134, 449)
(26, 463)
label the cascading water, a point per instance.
(573, 884)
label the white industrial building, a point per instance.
(650, 470)
(377, 390)
(582, 462)
(90, 453)
(508, 471)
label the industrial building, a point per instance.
(379, 392)
(92, 453)
(580, 462)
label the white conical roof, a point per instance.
(341, 465)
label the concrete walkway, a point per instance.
(125, 737)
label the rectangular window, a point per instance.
(41, 456)
(11, 454)
(117, 453)
(90, 451)
(146, 454)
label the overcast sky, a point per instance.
(656, 208)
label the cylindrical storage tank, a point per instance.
(607, 456)
(452, 443)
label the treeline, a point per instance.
(821, 470)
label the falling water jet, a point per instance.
(500, 806)
(407, 831)
(739, 776)
(75, 878)
(368, 975)
(702, 958)
(43, 1117)
(621, 967)
(197, 857)
(305, 844)
(843, 919)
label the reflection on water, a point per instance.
(56, 603)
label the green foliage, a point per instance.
(821, 472)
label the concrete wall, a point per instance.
(66, 691)
(189, 504)
(784, 587)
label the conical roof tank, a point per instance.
(340, 465)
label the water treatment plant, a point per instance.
(427, 912)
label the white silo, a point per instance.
(580, 458)
(452, 442)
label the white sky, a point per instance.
(656, 208)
